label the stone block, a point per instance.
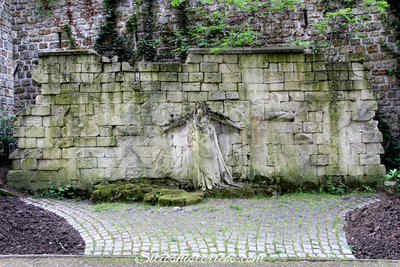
(183, 77)
(51, 153)
(27, 143)
(210, 77)
(229, 68)
(209, 87)
(170, 67)
(194, 58)
(127, 67)
(107, 163)
(196, 77)
(232, 77)
(371, 137)
(232, 95)
(213, 58)
(64, 142)
(253, 61)
(175, 96)
(191, 68)
(52, 132)
(216, 95)
(319, 160)
(148, 67)
(112, 67)
(87, 163)
(302, 138)
(374, 148)
(110, 87)
(191, 87)
(106, 141)
(171, 86)
(168, 76)
(28, 164)
(209, 67)
(228, 86)
(276, 87)
(90, 67)
(252, 76)
(51, 165)
(369, 159)
(230, 59)
(197, 96)
(40, 110)
(273, 77)
(44, 143)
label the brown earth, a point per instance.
(26, 229)
(373, 231)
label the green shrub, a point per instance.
(7, 140)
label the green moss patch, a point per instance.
(147, 190)
(173, 197)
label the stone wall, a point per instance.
(36, 32)
(6, 55)
(247, 113)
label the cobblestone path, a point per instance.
(296, 226)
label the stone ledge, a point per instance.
(69, 52)
(249, 50)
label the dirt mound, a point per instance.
(373, 231)
(26, 229)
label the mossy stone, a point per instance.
(173, 197)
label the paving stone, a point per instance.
(276, 228)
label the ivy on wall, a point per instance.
(109, 43)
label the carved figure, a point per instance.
(202, 158)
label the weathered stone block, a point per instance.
(253, 61)
(51, 165)
(112, 67)
(252, 76)
(231, 77)
(228, 86)
(168, 76)
(216, 95)
(213, 58)
(40, 110)
(209, 67)
(191, 87)
(87, 163)
(170, 67)
(209, 87)
(51, 153)
(273, 77)
(197, 96)
(28, 164)
(106, 141)
(196, 77)
(148, 67)
(27, 143)
(212, 77)
(191, 67)
(320, 160)
(193, 58)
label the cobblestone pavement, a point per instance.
(294, 226)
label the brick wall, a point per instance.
(6, 53)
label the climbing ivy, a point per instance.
(44, 6)
(68, 31)
(109, 43)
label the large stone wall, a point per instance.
(248, 113)
(6, 56)
(37, 32)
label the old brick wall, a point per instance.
(276, 113)
(6, 55)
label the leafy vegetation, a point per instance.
(7, 140)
